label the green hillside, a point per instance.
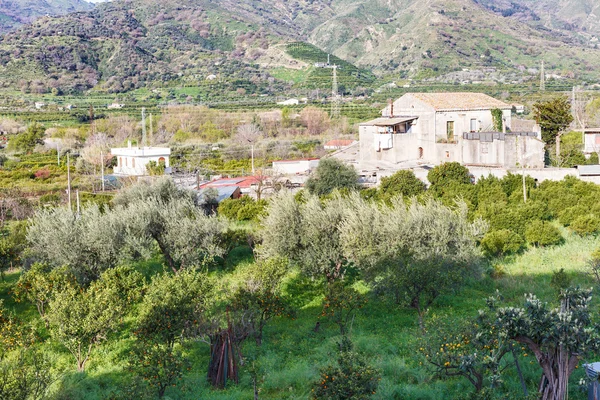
(15, 13)
(125, 45)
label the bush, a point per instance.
(243, 209)
(403, 183)
(568, 215)
(542, 233)
(501, 242)
(586, 225)
(351, 379)
(332, 174)
(448, 175)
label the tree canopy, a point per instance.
(332, 174)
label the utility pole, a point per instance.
(252, 152)
(69, 181)
(335, 97)
(542, 78)
(143, 127)
(78, 206)
(102, 169)
(151, 129)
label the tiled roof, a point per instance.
(460, 101)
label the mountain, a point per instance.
(14, 13)
(266, 46)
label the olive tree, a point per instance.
(306, 233)
(413, 252)
(88, 244)
(332, 174)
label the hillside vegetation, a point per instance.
(122, 45)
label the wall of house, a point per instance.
(127, 165)
(295, 167)
(592, 143)
(508, 153)
(402, 146)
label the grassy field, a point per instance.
(290, 358)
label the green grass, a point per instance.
(292, 353)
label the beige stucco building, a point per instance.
(432, 128)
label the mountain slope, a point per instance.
(127, 44)
(14, 13)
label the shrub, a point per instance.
(243, 209)
(501, 242)
(403, 183)
(560, 280)
(542, 233)
(593, 160)
(568, 215)
(332, 174)
(586, 225)
(446, 175)
(351, 379)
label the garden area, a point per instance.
(337, 292)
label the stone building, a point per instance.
(432, 128)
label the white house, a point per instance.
(293, 167)
(289, 102)
(133, 160)
(433, 128)
(115, 106)
(591, 140)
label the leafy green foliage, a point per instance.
(25, 142)
(79, 319)
(171, 310)
(25, 375)
(473, 349)
(243, 209)
(497, 119)
(558, 337)
(12, 245)
(560, 280)
(403, 183)
(553, 116)
(445, 177)
(260, 296)
(40, 282)
(351, 379)
(586, 225)
(501, 242)
(542, 233)
(341, 304)
(332, 174)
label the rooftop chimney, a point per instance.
(391, 104)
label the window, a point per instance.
(473, 125)
(447, 154)
(420, 153)
(484, 148)
(450, 130)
